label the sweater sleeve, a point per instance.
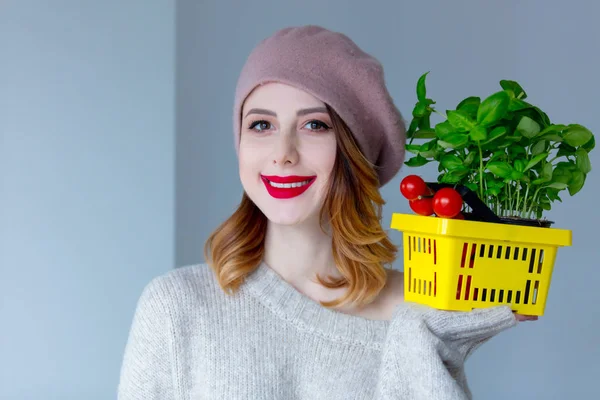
(146, 371)
(425, 350)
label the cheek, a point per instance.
(249, 156)
(323, 156)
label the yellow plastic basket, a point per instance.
(460, 265)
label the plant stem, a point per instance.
(553, 159)
(524, 211)
(480, 170)
(518, 198)
(533, 200)
(439, 113)
(510, 198)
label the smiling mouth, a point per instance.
(285, 187)
(288, 185)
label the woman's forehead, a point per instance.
(279, 96)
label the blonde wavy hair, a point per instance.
(352, 206)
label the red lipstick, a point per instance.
(287, 192)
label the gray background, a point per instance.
(116, 162)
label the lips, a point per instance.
(287, 192)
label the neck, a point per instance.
(298, 253)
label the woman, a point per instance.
(295, 301)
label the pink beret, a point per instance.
(331, 67)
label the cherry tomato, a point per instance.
(413, 186)
(459, 216)
(447, 203)
(422, 206)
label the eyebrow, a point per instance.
(299, 113)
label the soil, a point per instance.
(540, 223)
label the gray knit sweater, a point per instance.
(189, 340)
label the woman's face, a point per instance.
(287, 152)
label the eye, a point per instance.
(315, 124)
(261, 124)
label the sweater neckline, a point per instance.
(288, 303)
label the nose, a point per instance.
(285, 151)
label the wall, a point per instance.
(87, 187)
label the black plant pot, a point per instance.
(482, 213)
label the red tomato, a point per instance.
(459, 216)
(447, 203)
(422, 206)
(413, 186)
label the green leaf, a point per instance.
(424, 134)
(546, 175)
(493, 108)
(538, 148)
(554, 128)
(470, 158)
(478, 133)
(470, 105)
(460, 120)
(557, 185)
(414, 124)
(516, 175)
(444, 129)
(413, 148)
(547, 171)
(553, 137)
(421, 90)
(514, 87)
(519, 165)
(498, 154)
(493, 191)
(420, 110)
(451, 161)
(454, 140)
(516, 151)
(516, 104)
(472, 186)
(553, 194)
(459, 170)
(528, 127)
(583, 161)
(449, 178)
(417, 161)
(535, 160)
(565, 150)
(576, 183)
(425, 122)
(576, 135)
(561, 174)
(589, 146)
(500, 168)
(544, 117)
(496, 133)
(428, 149)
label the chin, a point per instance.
(285, 212)
(292, 213)
(286, 219)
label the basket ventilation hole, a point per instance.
(539, 271)
(531, 262)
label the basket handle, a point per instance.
(480, 210)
